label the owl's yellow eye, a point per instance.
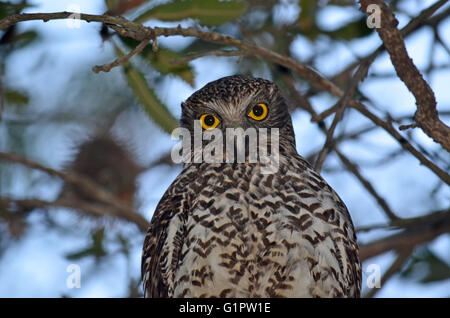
(258, 112)
(209, 121)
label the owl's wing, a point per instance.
(163, 244)
(342, 228)
(352, 252)
(351, 249)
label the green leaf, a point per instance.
(351, 30)
(207, 12)
(16, 97)
(120, 7)
(110, 4)
(342, 3)
(161, 61)
(7, 8)
(428, 265)
(95, 248)
(202, 46)
(308, 12)
(124, 244)
(23, 39)
(3, 11)
(307, 19)
(147, 97)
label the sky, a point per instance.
(36, 266)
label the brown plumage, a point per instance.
(230, 230)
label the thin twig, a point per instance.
(417, 231)
(387, 126)
(401, 258)
(94, 209)
(325, 113)
(353, 168)
(80, 182)
(341, 106)
(424, 17)
(358, 133)
(350, 166)
(440, 40)
(404, 223)
(405, 127)
(140, 32)
(123, 59)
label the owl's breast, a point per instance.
(255, 235)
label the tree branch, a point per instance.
(417, 231)
(387, 126)
(121, 60)
(94, 209)
(350, 166)
(425, 227)
(139, 32)
(84, 183)
(366, 184)
(413, 25)
(401, 258)
(426, 115)
(340, 108)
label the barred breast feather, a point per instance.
(227, 230)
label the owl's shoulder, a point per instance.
(173, 206)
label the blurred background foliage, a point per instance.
(114, 128)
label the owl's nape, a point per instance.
(227, 230)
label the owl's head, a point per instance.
(239, 101)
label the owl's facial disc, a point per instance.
(240, 113)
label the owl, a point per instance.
(233, 229)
